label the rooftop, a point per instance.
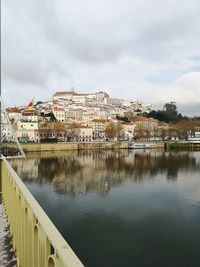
(60, 93)
(13, 110)
(100, 120)
(144, 119)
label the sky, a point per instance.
(133, 49)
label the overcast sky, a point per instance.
(132, 49)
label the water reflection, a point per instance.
(82, 172)
(148, 216)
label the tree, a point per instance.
(73, 132)
(113, 130)
(139, 132)
(45, 130)
(119, 130)
(38, 103)
(170, 109)
(49, 116)
(58, 128)
(124, 118)
(172, 131)
(185, 127)
(172, 112)
(168, 114)
(163, 133)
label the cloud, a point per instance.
(148, 49)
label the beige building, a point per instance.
(99, 126)
(27, 131)
(59, 114)
(147, 123)
(80, 133)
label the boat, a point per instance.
(141, 145)
(194, 140)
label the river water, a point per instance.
(121, 208)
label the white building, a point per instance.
(129, 130)
(59, 114)
(80, 98)
(14, 114)
(6, 130)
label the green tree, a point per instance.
(125, 118)
(168, 114)
(171, 109)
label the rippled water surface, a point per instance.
(120, 208)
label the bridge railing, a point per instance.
(36, 240)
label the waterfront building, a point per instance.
(6, 131)
(27, 126)
(29, 116)
(148, 123)
(14, 114)
(129, 129)
(79, 133)
(93, 110)
(99, 126)
(27, 135)
(27, 131)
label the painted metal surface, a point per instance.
(5, 151)
(36, 240)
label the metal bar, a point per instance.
(12, 129)
(36, 240)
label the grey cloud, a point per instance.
(190, 109)
(105, 44)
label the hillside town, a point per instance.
(85, 117)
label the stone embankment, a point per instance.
(39, 147)
(183, 145)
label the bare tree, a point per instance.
(113, 130)
(58, 128)
(139, 132)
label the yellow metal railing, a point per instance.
(36, 240)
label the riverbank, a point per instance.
(45, 147)
(183, 145)
(73, 146)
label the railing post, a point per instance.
(37, 242)
(1, 162)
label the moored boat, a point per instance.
(141, 145)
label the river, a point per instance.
(121, 208)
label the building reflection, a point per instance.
(82, 172)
